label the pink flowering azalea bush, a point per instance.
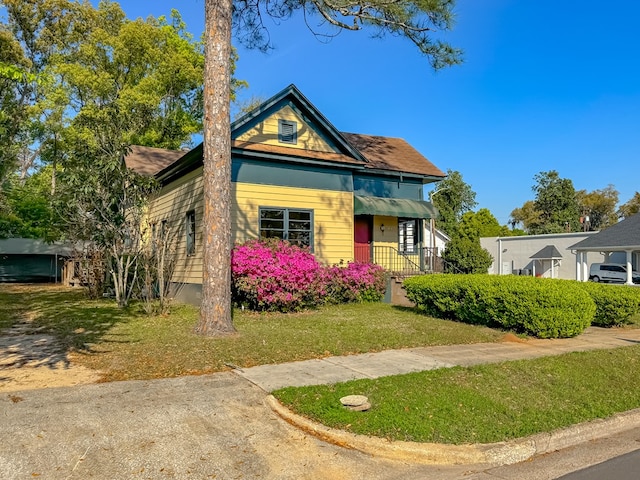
(274, 275)
(357, 282)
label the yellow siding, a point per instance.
(332, 216)
(267, 132)
(172, 204)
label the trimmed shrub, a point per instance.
(545, 308)
(615, 304)
(274, 275)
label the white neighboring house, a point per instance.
(550, 255)
(434, 241)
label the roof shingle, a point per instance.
(395, 154)
(148, 161)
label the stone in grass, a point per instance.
(356, 403)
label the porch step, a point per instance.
(396, 295)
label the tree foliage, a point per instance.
(555, 208)
(453, 198)
(598, 208)
(482, 224)
(28, 212)
(414, 20)
(104, 82)
(631, 207)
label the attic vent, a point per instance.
(287, 131)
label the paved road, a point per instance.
(624, 467)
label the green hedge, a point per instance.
(545, 308)
(615, 304)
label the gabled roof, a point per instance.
(149, 160)
(624, 235)
(292, 96)
(550, 252)
(353, 151)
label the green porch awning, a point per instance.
(393, 207)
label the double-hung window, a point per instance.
(407, 235)
(191, 232)
(293, 225)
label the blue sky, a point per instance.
(545, 85)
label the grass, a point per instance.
(127, 344)
(487, 403)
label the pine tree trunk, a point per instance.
(215, 310)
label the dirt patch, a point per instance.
(510, 337)
(30, 359)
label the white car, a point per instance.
(611, 272)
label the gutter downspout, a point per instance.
(499, 256)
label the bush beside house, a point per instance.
(274, 275)
(544, 308)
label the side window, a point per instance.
(191, 232)
(293, 225)
(287, 131)
(407, 235)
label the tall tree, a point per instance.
(598, 208)
(557, 202)
(453, 197)
(415, 20)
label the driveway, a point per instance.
(214, 426)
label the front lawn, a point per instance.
(127, 344)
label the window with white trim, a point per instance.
(293, 225)
(407, 235)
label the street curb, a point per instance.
(501, 453)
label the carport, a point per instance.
(621, 237)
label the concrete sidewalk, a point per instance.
(393, 362)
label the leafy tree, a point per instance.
(555, 208)
(28, 212)
(599, 207)
(482, 224)
(631, 207)
(453, 198)
(413, 20)
(557, 202)
(106, 82)
(527, 216)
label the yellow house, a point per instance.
(345, 196)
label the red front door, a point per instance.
(362, 237)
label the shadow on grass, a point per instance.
(44, 323)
